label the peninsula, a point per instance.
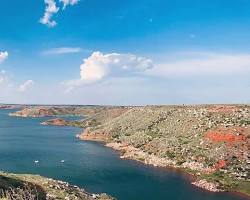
(34, 187)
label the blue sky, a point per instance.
(124, 52)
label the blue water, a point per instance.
(88, 164)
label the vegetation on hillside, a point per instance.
(31, 187)
(210, 141)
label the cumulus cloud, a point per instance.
(62, 50)
(69, 2)
(3, 56)
(51, 9)
(11, 92)
(205, 63)
(98, 67)
(26, 86)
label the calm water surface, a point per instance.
(88, 164)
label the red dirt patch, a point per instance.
(237, 143)
(220, 164)
(93, 136)
(223, 109)
(222, 137)
(231, 135)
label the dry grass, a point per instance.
(25, 193)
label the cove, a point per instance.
(88, 164)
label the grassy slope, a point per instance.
(179, 133)
(44, 186)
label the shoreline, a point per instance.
(49, 187)
(202, 183)
(206, 175)
(192, 178)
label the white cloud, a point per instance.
(62, 50)
(52, 8)
(99, 67)
(26, 86)
(193, 64)
(69, 2)
(7, 83)
(3, 56)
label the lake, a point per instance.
(88, 164)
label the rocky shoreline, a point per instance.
(212, 187)
(42, 188)
(129, 152)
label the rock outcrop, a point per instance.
(55, 122)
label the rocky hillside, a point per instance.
(46, 111)
(92, 118)
(209, 141)
(212, 142)
(31, 187)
